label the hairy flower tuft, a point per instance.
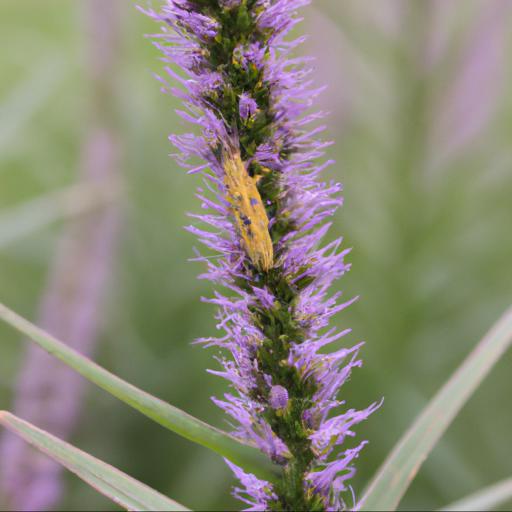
(267, 213)
(278, 397)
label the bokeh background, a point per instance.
(92, 244)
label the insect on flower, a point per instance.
(247, 208)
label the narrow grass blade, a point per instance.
(28, 97)
(485, 499)
(109, 481)
(398, 471)
(22, 220)
(250, 458)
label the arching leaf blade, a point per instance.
(180, 422)
(106, 479)
(488, 498)
(399, 469)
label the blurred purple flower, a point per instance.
(470, 100)
(267, 212)
(48, 393)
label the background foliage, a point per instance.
(422, 119)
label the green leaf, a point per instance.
(248, 457)
(109, 481)
(398, 471)
(487, 498)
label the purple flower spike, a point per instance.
(265, 213)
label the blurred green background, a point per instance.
(421, 112)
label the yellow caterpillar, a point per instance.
(248, 209)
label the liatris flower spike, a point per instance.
(267, 213)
